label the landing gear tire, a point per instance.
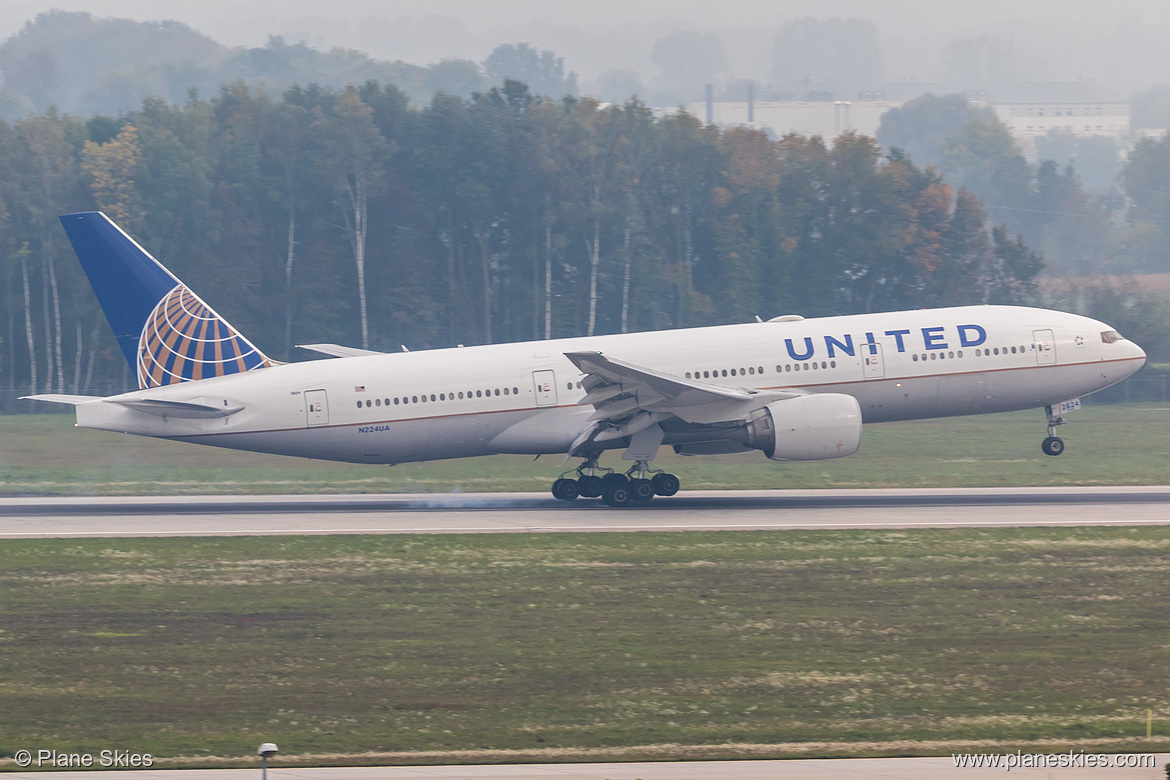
(616, 493)
(565, 489)
(613, 478)
(1053, 445)
(665, 484)
(589, 486)
(641, 489)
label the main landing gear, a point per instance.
(1053, 445)
(613, 488)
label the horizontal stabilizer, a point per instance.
(56, 398)
(190, 410)
(337, 350)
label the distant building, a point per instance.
(1080, 108)
(826, 118)
(1030, 111)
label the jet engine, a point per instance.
(806, 427)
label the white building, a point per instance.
(1083, 109)
(826, 118)
(1030, 111)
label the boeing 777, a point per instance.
(792, 388)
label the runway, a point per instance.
(539, 513)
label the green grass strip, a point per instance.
(559, 647)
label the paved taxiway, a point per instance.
(536, 512)
(796, 769)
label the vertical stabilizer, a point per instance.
(167, 333)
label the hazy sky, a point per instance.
(1119, 43)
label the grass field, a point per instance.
(560, 647)
(1107, 445)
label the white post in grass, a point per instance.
(266, 751)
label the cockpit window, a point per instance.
(1110, 336)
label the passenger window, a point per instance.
(515, 391)
(359, 404)
(396, 400)
(725, 372)
(479, 394)
(369, 402)
(414, 399)
(377, 402)
(752, 370)
(915, 358)
(497, 391)
(733, 372)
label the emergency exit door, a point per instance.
(545, 384)
(1045, 347)
(875, 367)
(316, 408)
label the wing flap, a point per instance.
(628, 399)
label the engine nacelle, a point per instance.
(807, 427)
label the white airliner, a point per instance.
(792, 388)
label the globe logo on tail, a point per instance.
(184, 339)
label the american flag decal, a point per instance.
(359, 388)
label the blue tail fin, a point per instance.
(165, 331)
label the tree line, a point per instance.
(348, 215)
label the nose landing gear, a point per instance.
(1053, 445)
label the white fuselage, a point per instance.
(523, 398)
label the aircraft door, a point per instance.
(875, 367)
(316, 408)
(1045, 347)
(545, 383)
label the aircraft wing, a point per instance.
(337, 350)
(629, 398)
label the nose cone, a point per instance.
(1137, 358)
(1138, 353)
